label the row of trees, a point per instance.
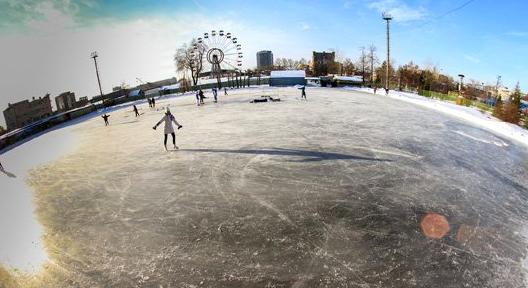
(189, 60)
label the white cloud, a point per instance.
(305, 26)
(399, 10)
(54, 55)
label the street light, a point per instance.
(94, 56)
(387, 17)
(461, 82)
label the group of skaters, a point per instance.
(200, 96)
(168, 119)
(152, 102)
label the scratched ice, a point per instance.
(327, 192)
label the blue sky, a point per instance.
(46, 41)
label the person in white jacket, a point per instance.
(168, 118)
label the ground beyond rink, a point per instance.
(327, 192)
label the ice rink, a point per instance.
(327, 192)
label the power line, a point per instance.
(456, 9)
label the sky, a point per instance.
(46, 45)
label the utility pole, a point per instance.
(94, 56)
(387, 17)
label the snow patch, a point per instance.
(468, 114)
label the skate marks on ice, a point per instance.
(336, 205)
(305, 155)
(498, 143)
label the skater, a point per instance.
(105, 117)
(153, 102)
(150, 102)
(202, 96)
(197, 94)
(168, 118)
(303, 92)
(1, 167)
(136, 111)
(375, 89)
(215, 95)
(225, 91)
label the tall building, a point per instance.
(24, 112)
(65, 101)
(322, 63)
(264, 60)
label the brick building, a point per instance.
(322, 63)
(65, 101)
(24, 112)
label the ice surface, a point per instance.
(469, 114)
(326, 192)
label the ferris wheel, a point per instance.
(221, 52)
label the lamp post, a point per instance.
(461, 83)
(94, 56)
(387, 17)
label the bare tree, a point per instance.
(362, 63)
(348, 67)
(190, 58)
(373, 60)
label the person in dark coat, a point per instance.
(215, 95)
(105, 117)
(303, 92)
(202, 96)
(136, 111)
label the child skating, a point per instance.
(105, 117)
(168, 118)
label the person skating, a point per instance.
(225, 91)
(153, 102)
(105, 117)
(202, 96)
(303, 92)
(197, 95)
(136, 111)
(150, 102)
(215, 95)
(168, 118)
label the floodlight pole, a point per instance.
(387, 17)
(94, 56)
(461, 83)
